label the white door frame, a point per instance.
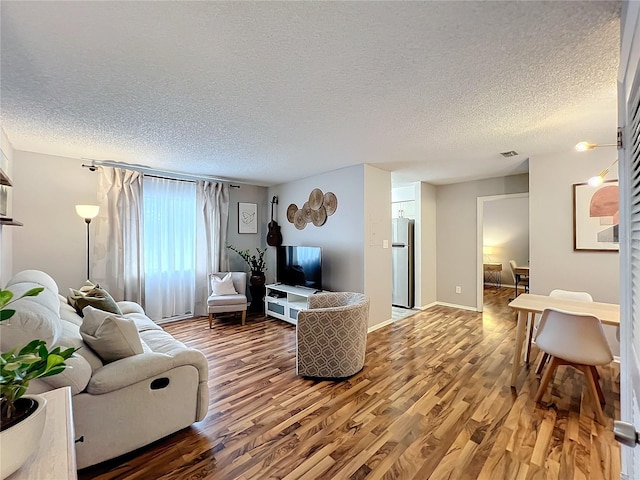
(628, 80)
(479, 235)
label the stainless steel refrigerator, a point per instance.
(402, 262)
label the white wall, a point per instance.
(377, 243)
(506, 230)
(6, 232)
(554, 263)
(343, 237)
(456, 236)
(241, 241)
(53, 238)
(425, 232)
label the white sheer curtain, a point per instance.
(211, 239)
(117, 249)
(169, 247)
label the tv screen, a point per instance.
(300, 266)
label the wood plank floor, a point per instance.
(433, 401)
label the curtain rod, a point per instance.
(187, 177)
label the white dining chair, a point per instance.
(578, 340)
(567, 295)
(571, 295)
(518, 280)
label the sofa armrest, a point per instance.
(130, 370)
(130, 307)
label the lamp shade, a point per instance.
(87, 211)
(487, 250)
(584, 146)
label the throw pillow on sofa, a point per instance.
(96, 297)
(112, 337)
(222, 286)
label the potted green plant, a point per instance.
(256, 263)
(22, 417)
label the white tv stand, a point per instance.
(285, 301)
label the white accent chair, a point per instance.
(229, 303)
(578, 340)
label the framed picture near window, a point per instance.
(596, 213)
(247, 217)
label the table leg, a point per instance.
(527, 351)
(517, 351)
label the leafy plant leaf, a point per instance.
(33, 292)
(5, 297)
(6, 314)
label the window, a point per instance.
(169, 232)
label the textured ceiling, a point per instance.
(264, 92)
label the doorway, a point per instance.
(503, 235)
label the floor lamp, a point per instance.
(87, 212)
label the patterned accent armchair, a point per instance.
(332, 335)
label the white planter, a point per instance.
(21, 440)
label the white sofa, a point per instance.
(117, 406)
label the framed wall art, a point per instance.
(596, 213)
(247, 217)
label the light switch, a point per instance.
(385, 243)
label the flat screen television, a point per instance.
(299, 266)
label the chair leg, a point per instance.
(548, 375)
(210, 320)
(530, 322)
(543, 362)
(593, 391)
(244, 316)
(596, 377)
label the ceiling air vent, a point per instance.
(510, 153)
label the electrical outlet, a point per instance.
(458, 289)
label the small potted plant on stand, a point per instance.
(258, 266)
(22, 417)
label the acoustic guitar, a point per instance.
(274, 237)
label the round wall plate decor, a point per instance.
(299, 220)
(330, 203)
(319, 217)
(291, 211)
(306, 212)
(315, 199)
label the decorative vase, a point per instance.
(258, 290)
(257, 279)
(19, 441)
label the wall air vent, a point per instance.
(510, 153)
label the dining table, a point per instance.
(528, 305)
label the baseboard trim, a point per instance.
(429, 305)
(377, 326)
(453, 305)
